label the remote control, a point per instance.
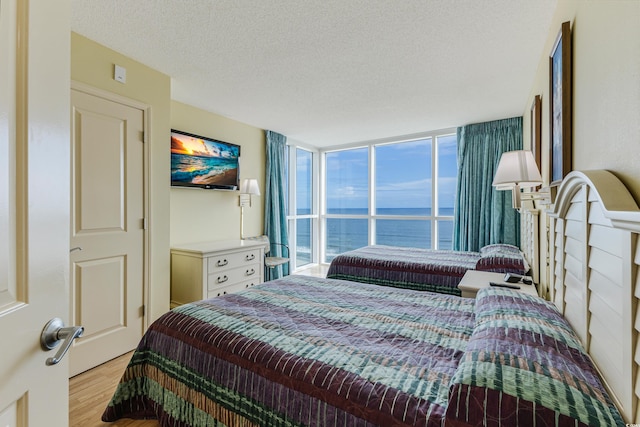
(513, 278)
(504, 285)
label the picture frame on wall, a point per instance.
(560, 105)
(536, 129)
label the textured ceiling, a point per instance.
(333, 72)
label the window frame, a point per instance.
(319, 213)
(372, 216)
(292, 215)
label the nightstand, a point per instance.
(475, 280)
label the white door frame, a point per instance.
(146, 111)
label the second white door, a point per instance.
(107, 228)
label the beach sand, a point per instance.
(227, 178)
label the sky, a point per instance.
(402, 176)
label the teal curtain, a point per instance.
(483, 215)
(275, 209)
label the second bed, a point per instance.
(423, 269)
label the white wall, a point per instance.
(606, 91)
(92, 63)
(200, 215)
(606, 88)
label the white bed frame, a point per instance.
(529, 232)
(595, 279)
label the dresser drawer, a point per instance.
(233, 276)
(224, 290)
(232, 260)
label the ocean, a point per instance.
(199, 169)
(344, 234)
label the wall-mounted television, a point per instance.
(201, 162)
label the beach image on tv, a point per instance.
(200, 161)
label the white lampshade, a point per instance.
(250, 186)
(517, 168)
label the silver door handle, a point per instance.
(54, 332)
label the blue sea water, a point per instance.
(344, 234)
(196, 169)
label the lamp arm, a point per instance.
(515, 196)
(543, 196)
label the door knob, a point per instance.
(54, 332)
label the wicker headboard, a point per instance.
(594, 259)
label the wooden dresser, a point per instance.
(210, 269)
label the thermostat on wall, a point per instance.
(119, 73)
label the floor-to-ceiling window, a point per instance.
(403, 196)
(346, 200)
(445, 188)
(398, 193)
(393, 193)
(302, 215)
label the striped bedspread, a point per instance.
(412, 268)
(299, 351)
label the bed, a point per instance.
(424, 269)
(304, 351)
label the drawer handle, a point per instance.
(222, 262)
(250, 257)
(222, 293)
(222, 279)
(250, 272)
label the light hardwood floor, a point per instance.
(319, 270)
(90, 392)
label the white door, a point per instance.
(107, 226)
(34, 207)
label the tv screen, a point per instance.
(201, 162)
